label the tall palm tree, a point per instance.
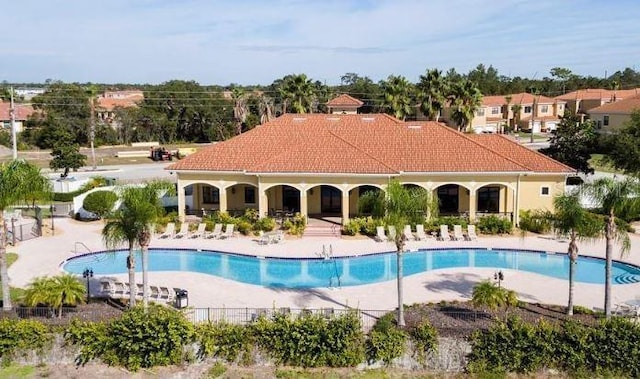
(16, 179)
(240, 109)
(570, 219)
(614, 198)
(401, 205)
(92, 92)
(132, 224)
(432, 93)
(265, 108)
(465, 99)
(398, 96)
(299, 92)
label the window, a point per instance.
(448, 199)
(210, 195)
(249, 195)
(544, 191)
(544, 108)
(495, 110)
(599, 124)
(480, 112)
(605, 121)
(489, 199)
(527, 109)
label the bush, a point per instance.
(100, 202)
(425, 338)
(434, 224)
(494, 225)
(140, 338)
(386, 342)
(536, 221)
(369, 226)
(244, 227)
(487, 294)
(225, 341)
(352, 227)
(295, 225)
(21, 335)
(265, 224)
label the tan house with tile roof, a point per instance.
(498, 111)
(22, 113)
(613, 115)
(582, 101)
(319, 164)
(110, 100)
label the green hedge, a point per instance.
(494, 225)
(22, 335)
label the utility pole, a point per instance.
(92, 131)
(14, 138)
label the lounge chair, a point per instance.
(228, 232)
(471, 232)
(380, 236)
(107, 288)
(165, 294)
(122, 290)
(457, 233)
(216, 232)
(169, 231)
(184, 231)
(420, 235)
(444, 233)
(278, 237)
(392, 232)
(200, 232)
(154, 292)
(406, 232)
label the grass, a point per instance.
(16, 293)
(15, 371)
(537, 137)
(598, 163)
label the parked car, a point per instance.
(85, 215)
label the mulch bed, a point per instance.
(95, 311)
(461, 319)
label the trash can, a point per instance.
(182, 298)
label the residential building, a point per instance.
(582, 101)
(110, 100)
(22, 113)
(320, 164)
(515, 111)
(344, 104)
(612, 115)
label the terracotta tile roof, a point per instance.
(625, 106)
(356, 144)
(599, 94)
(541, 118)
(22, 111)
(533, 160)
(112, 99)
(344, 100)
(516, 98)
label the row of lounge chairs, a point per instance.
(200, 232)
(420, 234)
(120, 290)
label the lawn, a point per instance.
(16, 293)
(537, 137)
(598, 163)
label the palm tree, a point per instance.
(432, 94)
(398, 96)
(66, 290)
(570, 219)
(240, 110)
(487, 294)
(37, 292)
(465, 99)
(402, 205)
(614, 198)
(16, 179)
(92, 92)
(299, 92)
(132, 224)
(265, 108)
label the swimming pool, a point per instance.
(349, 271)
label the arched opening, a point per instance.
(241, 197)
(324, 201)
(451, 200)
(494, 199)
(283, 199)
(201, 198)
(361, 200)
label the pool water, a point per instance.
(349, 271)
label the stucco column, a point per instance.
(181, 202)
(473, 205)
(304, 208)
(223, 200)
(263, 202)
(516, 204)
(345, 207)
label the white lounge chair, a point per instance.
(154, 292)
(184, 231)
(420, 235)
(457, 233)
(107, 287)
(169, 231)
(216, 232)
(444, 233)
(392, 232)
(200, 232)
(471, 232)
(407, 233)
(228, 232)
(380, 236)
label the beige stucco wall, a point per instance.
(531, 187)
(615, 120)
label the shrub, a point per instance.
(295, 225)
(352, 227)
(18, 335)
(100, 202)
(425, 338)
(244, 227)
(265, 224)
(536, 221)
(225, 341)
(434, 224)
(386, 342)
(494, 225)
(369, 226)
(487, 294)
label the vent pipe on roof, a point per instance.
(299, 118)
(368, 119)
(414, 126)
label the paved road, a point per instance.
(134, 172)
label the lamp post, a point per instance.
(499, 276)
(88, 274)
(52, 209)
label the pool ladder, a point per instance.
(327, 254)
(96, 258)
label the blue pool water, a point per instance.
(349, 271)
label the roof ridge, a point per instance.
(536, 152)
(486, 148)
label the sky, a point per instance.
(258, 41)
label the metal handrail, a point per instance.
(75, 247)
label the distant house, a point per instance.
(110, 100)
(582, 101)
(344, 104)
(29, 93)
(516, 111)
(612, 115)
(22, 113)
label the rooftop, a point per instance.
(516, 98)
(112, 99)
(344, 100)
(599, 94)
(625, 106)
(22, 111)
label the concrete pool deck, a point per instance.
(42, 256)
